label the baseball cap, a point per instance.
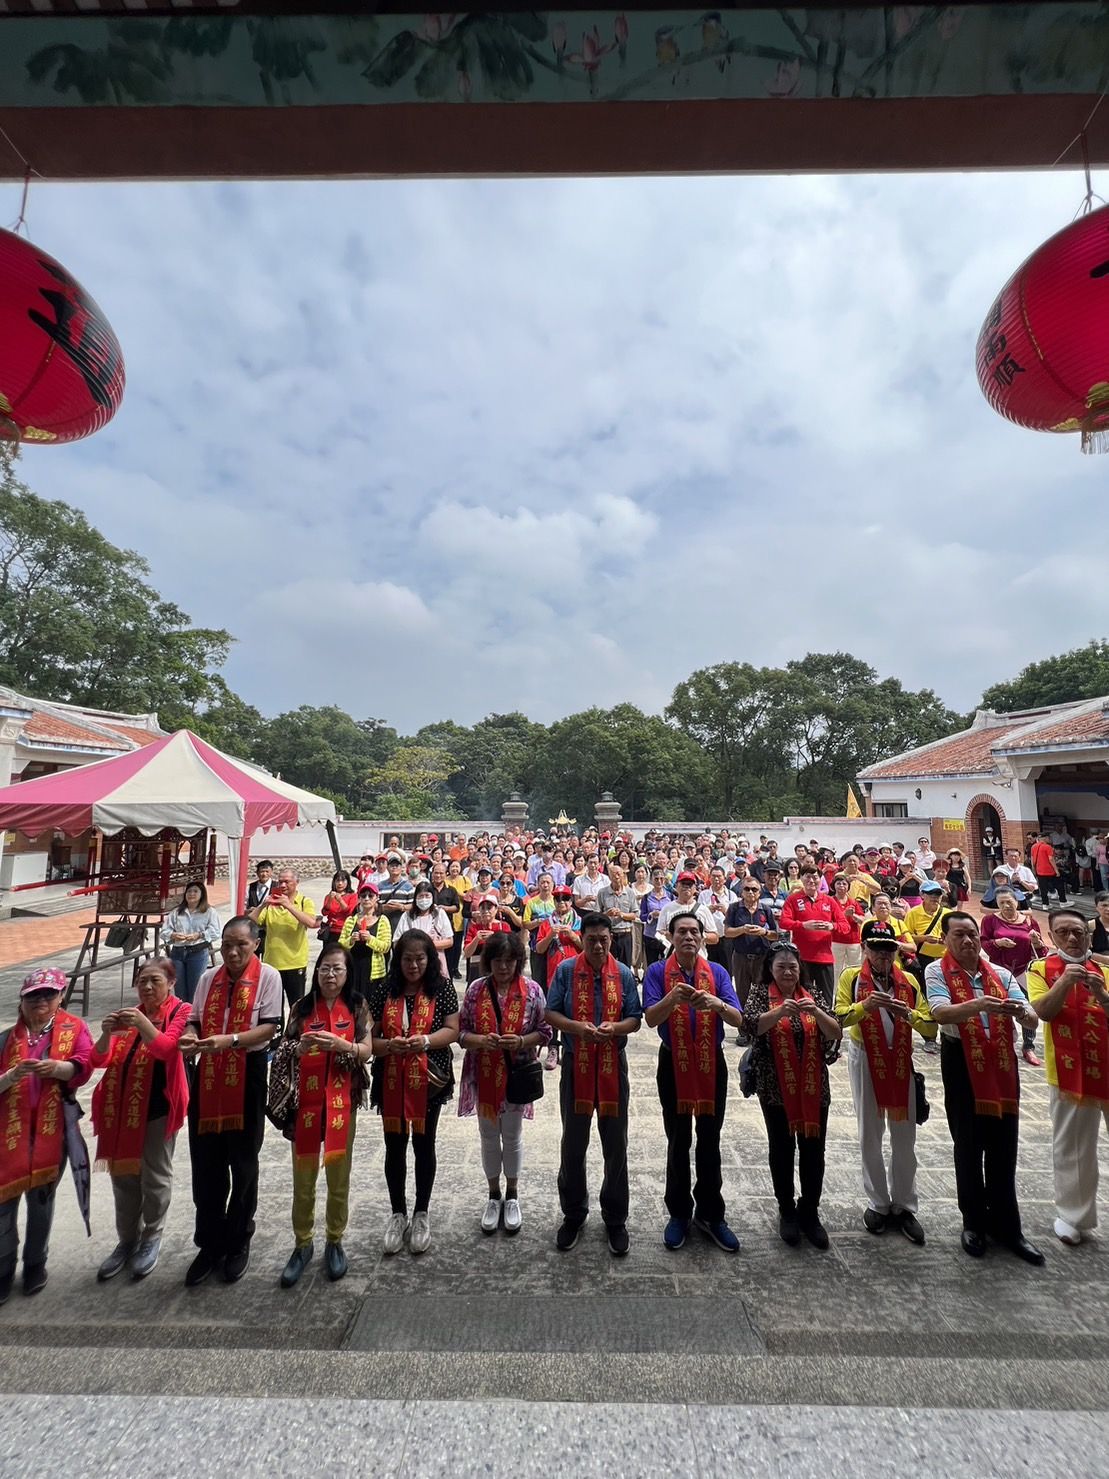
(687, 878)
(879, 936)
(488, 899)
(931, 888)
(367, 888)
(563, 893)
(49, 978)
(485, 868)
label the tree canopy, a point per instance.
(1081, 673)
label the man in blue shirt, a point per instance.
(669, 987)
(573, 1191)
(984, 1140)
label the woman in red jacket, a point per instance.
(137, 1109)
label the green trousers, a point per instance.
(338, 1196)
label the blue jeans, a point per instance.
(189, 962)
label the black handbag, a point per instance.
(747, 1073)
(123, 935)
(525, 1080)
(923, 1108)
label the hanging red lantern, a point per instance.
(1043, 353)
(61, 367)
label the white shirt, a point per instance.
(669, 910)
(925, 858)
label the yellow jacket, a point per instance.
(378, 941)
(850, 1012)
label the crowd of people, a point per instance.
(562, 948)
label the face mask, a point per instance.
(423, 901)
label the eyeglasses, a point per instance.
(331, 970)
(750, 890)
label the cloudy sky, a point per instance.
(546, 444)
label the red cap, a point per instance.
(563, 893)
(687, 878)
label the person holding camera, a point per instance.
(286, 917)
(975, 1004)
(484, 923)
(689, 999)
(502, 1028)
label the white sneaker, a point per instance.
(491, 1217)
(419, 1234)
(512, 1219)
(395, 1230)
(1067, 1234)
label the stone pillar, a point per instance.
(606, 813)
(514, 812)
(12, 722)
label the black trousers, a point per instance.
(573, 1190)
(653, 949)
(454, 954)
(622, 948)
(718, 953)
(706, 1196)
(985, 1152)
(820, 978)
(783, 1144)
(225, 1166)
(423, 1154)
(294, 984)
(1049, 881)
(746, 972)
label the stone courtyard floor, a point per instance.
(502, 1356)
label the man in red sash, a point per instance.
(1069, 991)
(236, 1010)
(593, 1002)
(689, 999)
(880, 1007)
(44, 1059)
(975, 1004)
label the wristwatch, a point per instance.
(235, 1041)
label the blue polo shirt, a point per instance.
(654, 989)
(560, 998)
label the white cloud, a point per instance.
(577, 437)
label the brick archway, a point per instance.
(977, 815)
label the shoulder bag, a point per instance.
(525, 1080)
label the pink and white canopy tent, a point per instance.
(180, 782)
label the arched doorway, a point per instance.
(982, 812)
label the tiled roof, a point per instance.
(137, 736)
(974, 751)
(53, 730)
(1076, 729)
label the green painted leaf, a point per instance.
(394, 61)
(434, 78)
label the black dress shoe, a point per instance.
(299, 1259)
(789, 1229)
(235, 1265)
(34, 1278)
(202, 1265)
(814, 1230)
(335, 1261)
(973, 1243)
(1027, 1251)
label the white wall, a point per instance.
(950, 798)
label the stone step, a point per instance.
(590, 1377)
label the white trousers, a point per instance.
(844, 956)
(897, 1192)
(502, 1144)
(1074, 1135)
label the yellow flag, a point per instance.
(852, 804)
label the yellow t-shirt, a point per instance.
(850, 1012)
(862, 886)
(1036, 981)
(917, 921)
(286, 938)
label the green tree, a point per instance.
(411, 784)
(326, 750)
(1081, 673)
(648, 765)
(731, 711)
(79, 623)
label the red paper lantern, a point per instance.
(61, 367)
(1043, 353)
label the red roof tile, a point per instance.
(967, 753)
(51, 729)
(137, 736)
(1078, 728)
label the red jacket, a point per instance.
(814, 946)
(1043, 860)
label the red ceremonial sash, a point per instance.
(1080, 1037)
(492, 1070)
(597, 1065)
(404, 1089)
(991, 1062)
(32, 1138)
(890, 1063)
(323, 1089)
(693, 1048)
(798, 1069)
(227, 1010)
(122, 1098)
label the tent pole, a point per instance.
(335, 853)
(244, 868)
